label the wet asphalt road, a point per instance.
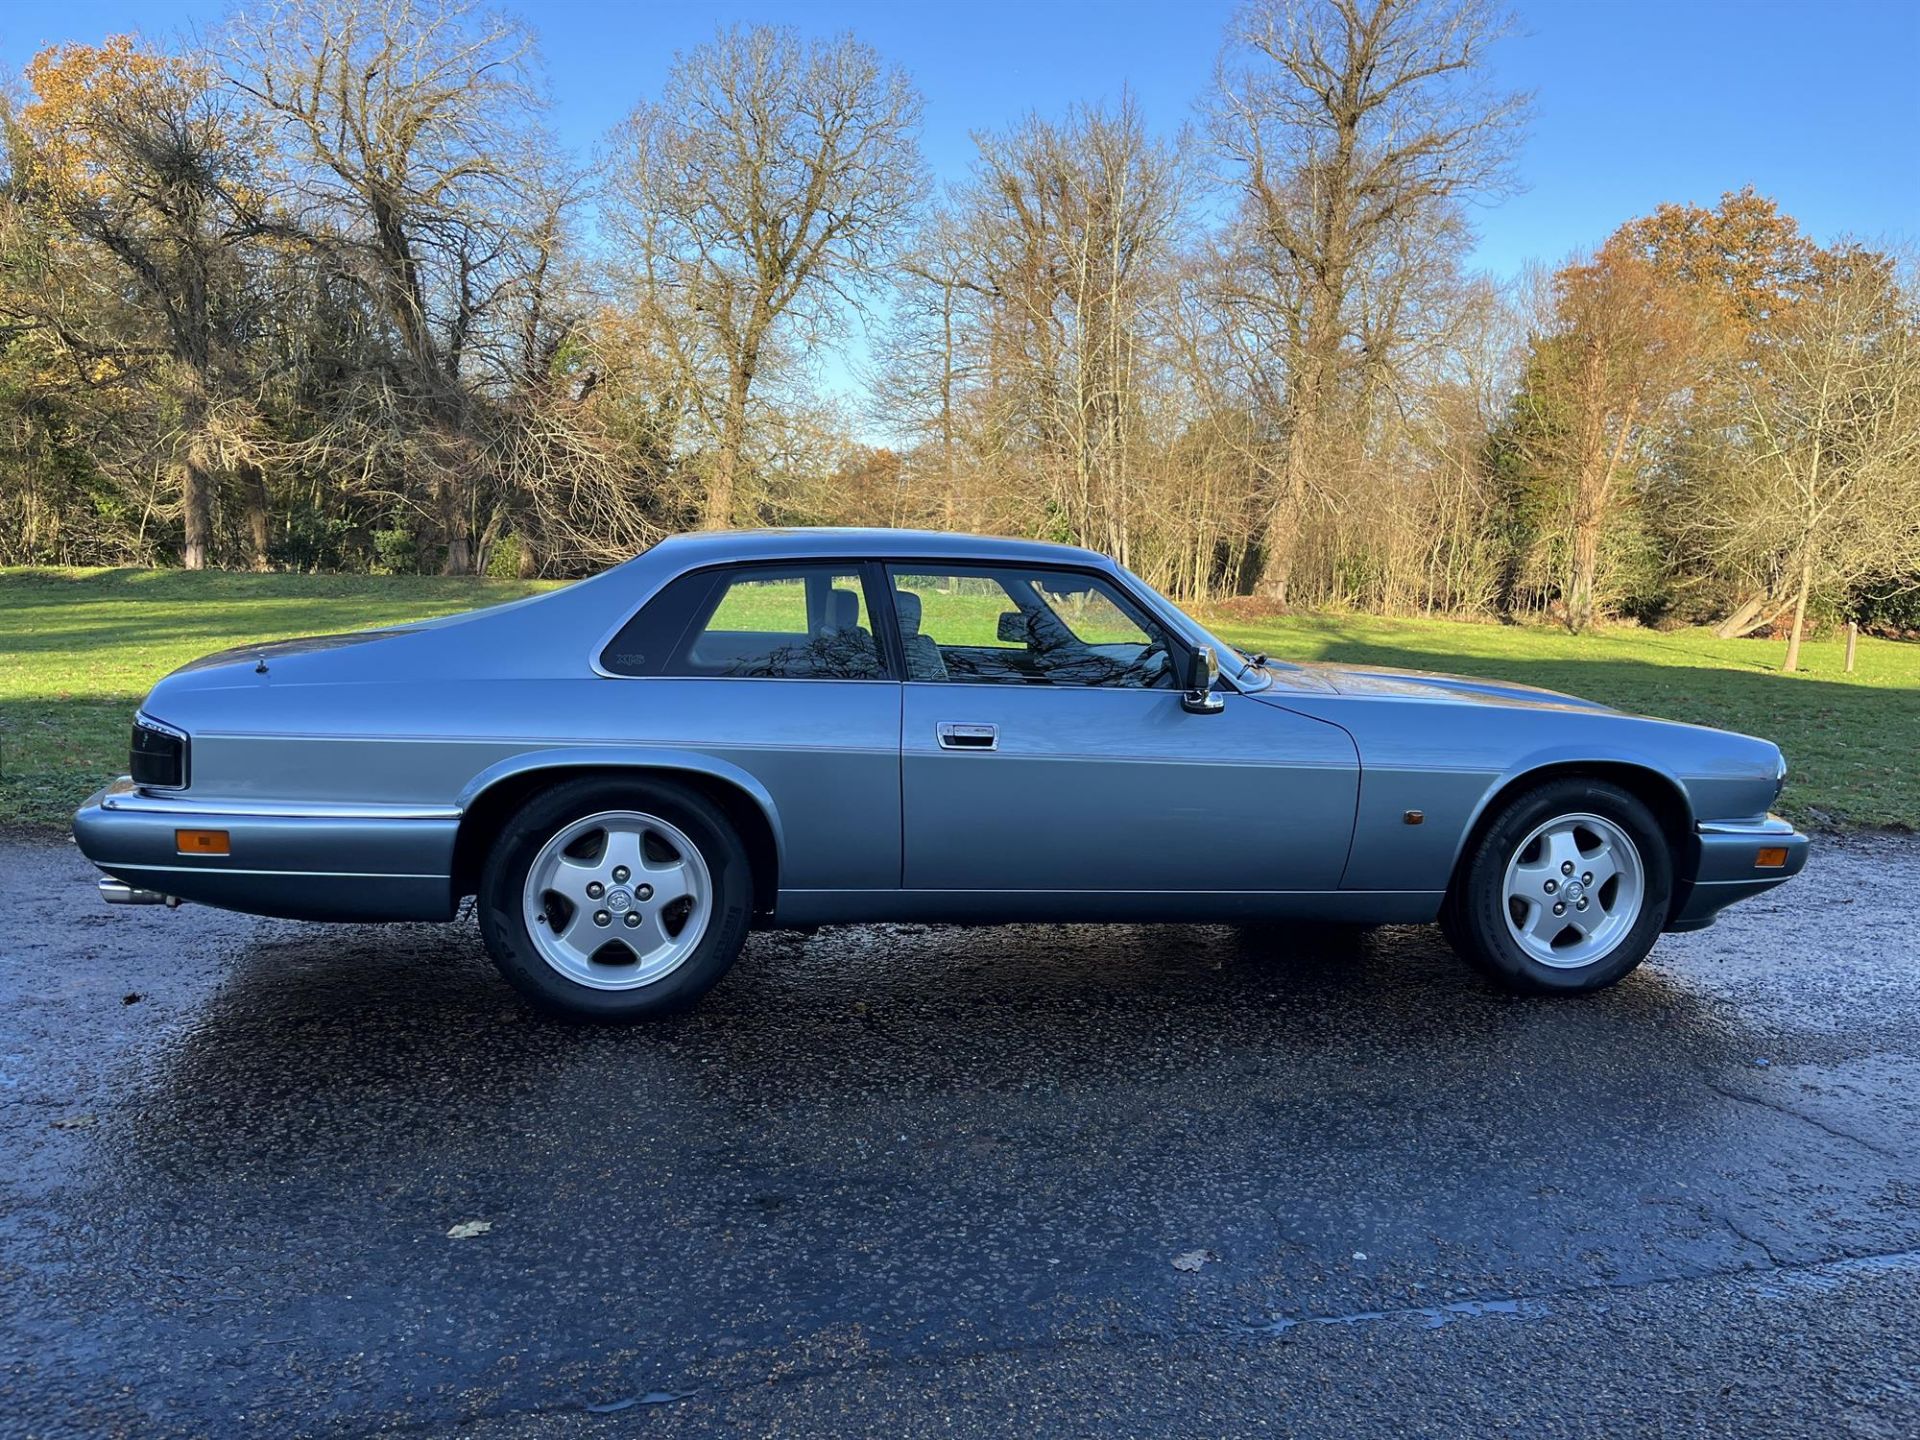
(912, 1181)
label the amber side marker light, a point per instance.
(1771, 858)
(213, 842)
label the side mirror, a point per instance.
(1011, 628)
(1203, 669)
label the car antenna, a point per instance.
(259, 664)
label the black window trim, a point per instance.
(892, 669)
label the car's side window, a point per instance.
(790, 622)
(1021, 626)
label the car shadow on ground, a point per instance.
(405, 1035)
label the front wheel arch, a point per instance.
(1477, 915)
(488, 812)
(1659, 792)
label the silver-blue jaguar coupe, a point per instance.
(791, 728)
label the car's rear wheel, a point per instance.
(615, 900)
(1564, 891)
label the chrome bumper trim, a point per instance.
(204, 870)
(1747, 829)
(124, 795)
(300, 862)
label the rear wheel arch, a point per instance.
(1659, 792)
(488, 811)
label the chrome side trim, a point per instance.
(124, 796)
(212, 870)
(141, 717)
(916, 892)
(1772, 825)
(606, 674)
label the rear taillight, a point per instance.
(158, 755)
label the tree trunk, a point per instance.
(733, 426)
(1317, 367)
(1589, 517)
(1586, 567)
(1593, 491)
(453, 520)
(718, 513)
(196, 500)
(259, 519)
(453, 462)
(1771, 609)
(1282, 535)
(1799, 616)
(1276, 546)
(1741, 620)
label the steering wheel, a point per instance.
(1151, 663)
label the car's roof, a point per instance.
(704, 547)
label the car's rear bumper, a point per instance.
(299, 861)
(1728, 867)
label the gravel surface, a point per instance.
(910, 1180)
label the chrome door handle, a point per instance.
(967, 737)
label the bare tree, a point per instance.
(411, 124)
(1347, 123)
(770, 181)
(1074, 227)
(926, 367)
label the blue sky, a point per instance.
(1638, 101)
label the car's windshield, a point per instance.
(1246, 670)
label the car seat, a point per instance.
(923, 656)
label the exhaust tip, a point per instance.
(118, 892)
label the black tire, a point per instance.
(505, 930)
(1475, 915)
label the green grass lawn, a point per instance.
(78, 650)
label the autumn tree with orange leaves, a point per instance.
(1619, 342)
(1765, 281)
(142, 193)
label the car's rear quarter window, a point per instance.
(795, 622)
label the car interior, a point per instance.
(999, 626)
(833, 644)
(1034, 640)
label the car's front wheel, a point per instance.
(615, 900)
(1565, 890)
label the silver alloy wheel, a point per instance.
(1573, 891)
(617, 900)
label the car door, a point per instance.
(1044, 746)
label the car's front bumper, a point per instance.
(1728, 869)
(296, 860)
